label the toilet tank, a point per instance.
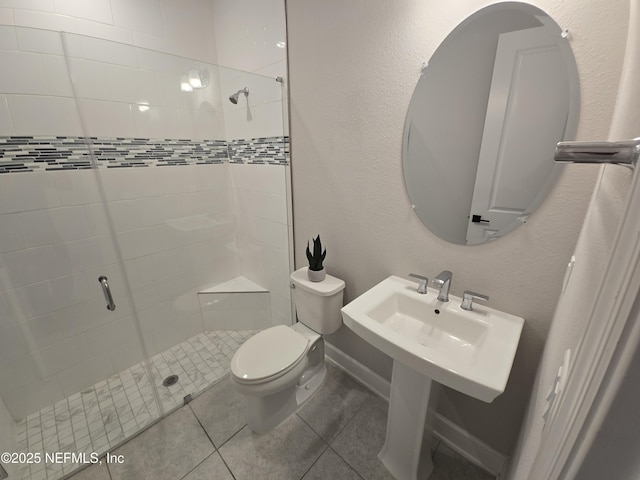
(318, 304)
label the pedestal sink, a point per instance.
(430, 340)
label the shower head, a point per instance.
(234, 98)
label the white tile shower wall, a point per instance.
(263, 234)
(126, 90)
(176, 234)
(123, 91)
(235, 311)
(180, 28)
(250, 42)
(176, 230)
(260, 114)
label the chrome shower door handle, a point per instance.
(107, 293)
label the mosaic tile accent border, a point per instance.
(113, 410)
(272, 150)
(46, 153)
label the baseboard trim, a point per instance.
(454, 436)
(364, 375)
(470, 447)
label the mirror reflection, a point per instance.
(496, 96)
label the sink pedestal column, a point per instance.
(406, 454)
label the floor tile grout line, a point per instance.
(120, 376)
(184, 360)
(351, 418)
(198, 464)
(143, 373)
(195, 352)
(346, 463)
(226, 465)
(337, 434)
(119, 417)
(371, 396)
(234, 434)
(318, 458)
(188, 405)
(217, 449)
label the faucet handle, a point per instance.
(422, 286)
(468, 298)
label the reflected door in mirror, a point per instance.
(529, 82)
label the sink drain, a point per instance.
(170, 380)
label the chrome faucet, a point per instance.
(443, 282)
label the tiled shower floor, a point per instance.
(103, 416)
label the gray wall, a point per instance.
(353, 67)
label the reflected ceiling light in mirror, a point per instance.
(281, 44)
(185, 86)
(198, 78)
(194, 79)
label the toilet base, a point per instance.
(265, 413)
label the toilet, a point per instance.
(280, 368)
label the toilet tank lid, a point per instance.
(329, 286)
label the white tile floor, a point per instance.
(101, 417)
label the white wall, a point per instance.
(350, 90)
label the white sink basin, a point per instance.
(471, 352)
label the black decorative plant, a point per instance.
(317, 257)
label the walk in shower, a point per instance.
(129, 180)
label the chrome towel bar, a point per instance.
(618, 153)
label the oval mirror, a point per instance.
(496, 96)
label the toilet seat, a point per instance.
(268, 355)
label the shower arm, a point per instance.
(624, 153)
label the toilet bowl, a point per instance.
(280, 368)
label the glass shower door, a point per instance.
(192, 160)
(157, 134)
(62, 351)
(140, 170)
